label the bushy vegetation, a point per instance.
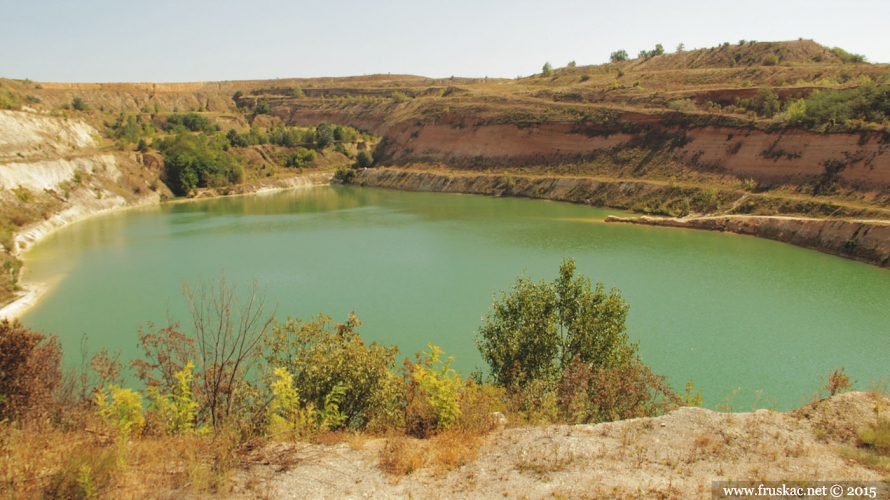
(561, 348)
(547, 70)
(29, 370)
(618, 56)
(194, 161)
(867, 103)
(191, 121)
(847, 57)
(130, 129)
(657, 51)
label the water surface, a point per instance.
(733, 313)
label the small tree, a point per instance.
(571, 64)
(324, 134)
(618, 56)
(262, 108)
(766, 102)
(534, 331)
(547, 70)
(566, 340)
(228, 329)
(681, 47)
(363, 159)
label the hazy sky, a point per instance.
(185, 40)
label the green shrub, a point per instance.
(364, 159)
(766, 102)
(563, 345)
(535, 331)
(344, 175)
(345, 133)
(547, 70)
(324, 135)
(191, 121)
(770, 60)
(78, 104)
(284, 412)
(262, 108)
(434, 394)
(847, 57)
(322, 355)
(302, 158)
(399, 96)
(618, 56)
(192, 161)
(123, 411)
(176, 411)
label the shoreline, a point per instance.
(31, 293)
(862, 239)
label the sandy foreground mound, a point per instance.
(674, 456)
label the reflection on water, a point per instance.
(727, 311)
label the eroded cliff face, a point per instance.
(52, 167)
(859, 161)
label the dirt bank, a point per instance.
(674, 456)
(864, 240)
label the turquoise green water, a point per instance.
(733, 313)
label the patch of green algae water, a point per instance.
(737, 315)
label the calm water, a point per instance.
(732, 313)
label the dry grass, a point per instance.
(41, 461)
(402, 455)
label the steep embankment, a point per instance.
(630, 143)
(868, 241)
(52, 173)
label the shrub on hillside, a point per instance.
(193, 161)
(766, 102)
(302, 158)
(78, 104)
(848, 57)
(262, 108)
(618, 56)
(324, 135)
(191, 121)
(547, 70)
(364, 159)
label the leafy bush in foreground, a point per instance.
(321, 355)
(561, 349)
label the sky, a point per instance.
(186, 40)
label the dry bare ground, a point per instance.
(674, 456)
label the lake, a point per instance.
(750, 321)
